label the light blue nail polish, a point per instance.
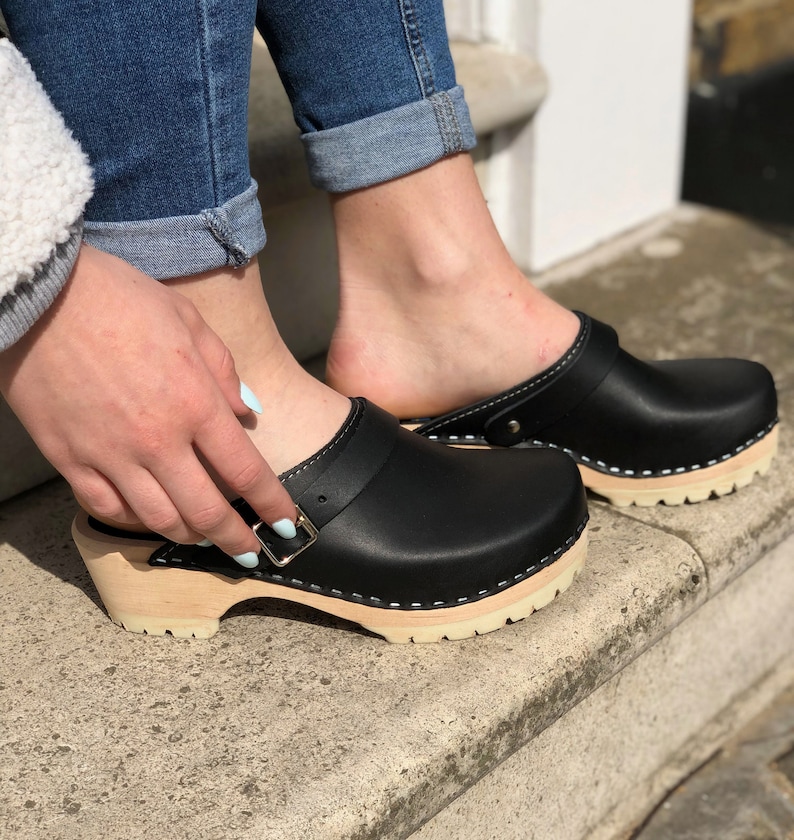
(249, 398)
(205, 543)
(285, 529)
(249, 560)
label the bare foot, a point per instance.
(434, 314)
(299, 413)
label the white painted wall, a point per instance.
(604, 153)
(608, 140)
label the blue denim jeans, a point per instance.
(156, 91)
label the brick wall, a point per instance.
(740, 36)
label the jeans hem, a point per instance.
(178, 246)
(388, 145)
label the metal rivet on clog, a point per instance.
(513, 427)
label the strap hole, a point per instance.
(322, 500)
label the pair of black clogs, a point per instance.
(414, 540)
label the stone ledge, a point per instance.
(288, 724)
(601, 768)
(742, 791)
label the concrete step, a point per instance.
(571, 724)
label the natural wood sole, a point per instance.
(677, 488)
(694, 486)
(144, 599)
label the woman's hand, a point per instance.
(123, 386)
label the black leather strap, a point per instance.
(343, 469)
(583, 371)
(352, 470)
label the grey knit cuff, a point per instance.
(21, 308)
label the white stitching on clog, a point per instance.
(339, 436)
(670, 471)
(314, 587)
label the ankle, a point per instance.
(427, 234)
(300, 416)
(434, 314)
(428, 352)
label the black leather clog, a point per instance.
(641, 432)
(409, 539)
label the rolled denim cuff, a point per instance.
(177, 246)
(391, 144)
(21, 308)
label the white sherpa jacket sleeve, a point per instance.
(45, 183)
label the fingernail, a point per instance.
(249, 398)
(249, 560)
(205, 543)
(285, 529)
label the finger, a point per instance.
(208, 513)
(153, 505)
(185, 506)
(99, 497)
(240, 465)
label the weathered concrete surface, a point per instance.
(287, 724)
(601, 766)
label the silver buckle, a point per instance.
(304, 524)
